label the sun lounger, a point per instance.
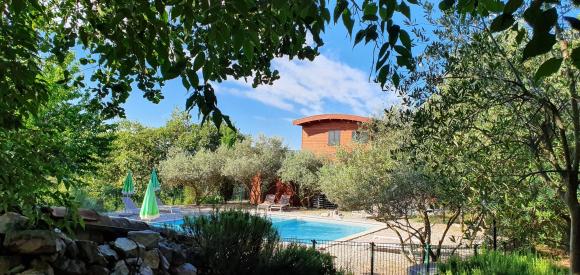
(130, 207)
(167, 208)
(282, 204)
(268, 201)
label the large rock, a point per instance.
(175, 253)
(110, 254)
(145, 270)
(50, 258)
(9, 262)
(166, 251)
(151, 258)
(139, 266)
(120, 268)
(41, 266)
(17, 269)
(185, 269)
(72, 250)
(34, 242)
(70, 266)
(164, 263)
(179, 256)
(89, 251)
(12, 221)
(128, 248)
(97, 270)
(33, 272)
(148, 238)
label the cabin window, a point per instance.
(334, 137)
(360, 137)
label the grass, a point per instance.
(492, 262)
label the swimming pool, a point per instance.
(294, 228)
(306, 229)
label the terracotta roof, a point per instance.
(317, 118)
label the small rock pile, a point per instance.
(52, 252)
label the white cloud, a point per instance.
(316, 87)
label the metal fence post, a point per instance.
(372, 258)
(313, 244)
(427, 259)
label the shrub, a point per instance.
(212, 199)
(297, 259)
(231, 242)
(235, 242)
(491, 262)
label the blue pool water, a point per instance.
(292, 228)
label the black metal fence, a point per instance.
(386, 258)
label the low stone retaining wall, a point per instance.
(105, 246)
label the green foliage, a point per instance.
(84, 200)
(298, 259)
(24, 90)
(378, 27)
(389, 178)
(213, 199)
(301, 168)
(475, 126)
(48, 155)
(189, 195)
(236, 242)
(231, 242)
(146, 43)
(361, 174)
(491, 262)
(201, 171)
(142, 149)
(504, 128)
(248, 159)
(207, 173)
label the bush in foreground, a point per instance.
(297, 259)
(231, 242)
(235, 242)
(492, 262)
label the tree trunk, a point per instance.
(571, 200)
(574, 238)
(197, 197)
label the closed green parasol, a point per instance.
(149, 208)
(128, 187)
(154, 181)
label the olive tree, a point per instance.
(301, 168)
(200, 172)
(388, 179)
(493, 110)
(254, 162)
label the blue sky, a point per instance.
(337, 81)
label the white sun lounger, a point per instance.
(284, 203)
(163, 207)
(130, 207)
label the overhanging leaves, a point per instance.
(574, 22)
(339, 9)
(539, 44)
(502, 22)
(548, 68)
(512, 5)
(575, 56)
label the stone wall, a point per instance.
(103, 246)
